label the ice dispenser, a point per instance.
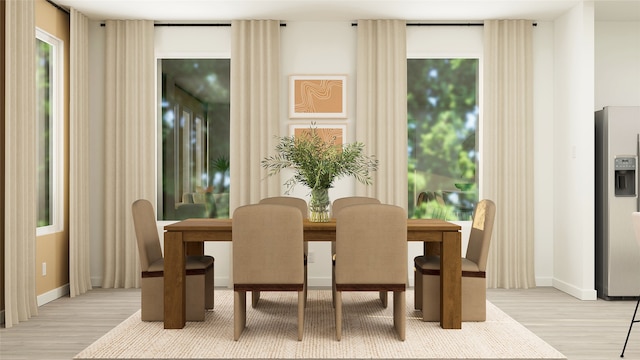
(625, 176)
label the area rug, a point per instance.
(367, 332)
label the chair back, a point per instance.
(480, 237)
(289, 201)
(371, 245)
(267, 245)
(144, 222)
(341, 203)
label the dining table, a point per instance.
(187, 237)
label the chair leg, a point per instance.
(633, 320)
(301, 305)
(417, 287)
(384, 298)
(305, 285)
(399, 318)
(209, 288)
(239, 313)
(333, 285)
(338, 300)
(255, 296)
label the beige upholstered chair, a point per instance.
(302, 206)
(267, 256)
(371, 255)
(338, 205)
(199, 269)
(474, 264)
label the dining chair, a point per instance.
(199, 270)
(302, 206)
(635, 218)
(268, 253)
(338, 205)
(474, 285)
(371, 255)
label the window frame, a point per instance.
(57, 129)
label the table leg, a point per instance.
(451, 281)
(174, 281)
(194, 248)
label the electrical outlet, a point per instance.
(44, 269)
(311, 257)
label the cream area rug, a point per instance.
(367, 332)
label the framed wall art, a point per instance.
(326, 132)
(318, 96)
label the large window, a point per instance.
(442, 137)
(194, 161)
(50, 140)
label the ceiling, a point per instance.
(345, 10)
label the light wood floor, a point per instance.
(578, 329)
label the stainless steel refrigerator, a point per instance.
(617, 143)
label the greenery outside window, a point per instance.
(442, 100)
(50, 139)
(194, 114)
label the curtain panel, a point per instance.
(382, 106)
(130, 137)
(20, 163)
(507, 171)
(79, 236)
(255, 108)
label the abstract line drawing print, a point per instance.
(318, 96)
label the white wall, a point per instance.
(319, 48)
(543, 134)
(573, 145)
(617, 64)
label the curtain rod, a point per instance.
(58, 7)
(443, 24)
(193, 24)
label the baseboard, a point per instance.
(53, 294)
(319, 282)
(544, 281)
(581, 294)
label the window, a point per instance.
(194, 161)
(50, 140)
(442, 100)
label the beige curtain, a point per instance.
(507, 169)
(79, 238)
(382, 106)
(20, 163)
(255, 108)
(130, 138)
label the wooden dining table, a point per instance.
(187, 237)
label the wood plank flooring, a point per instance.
(581, 330)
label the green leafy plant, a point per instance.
(317, 162)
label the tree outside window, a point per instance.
(442, 132)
